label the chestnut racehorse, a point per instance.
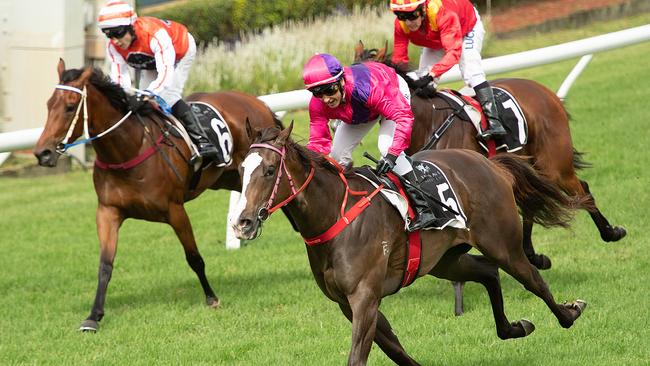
(366, 260)
(156, 188)
(549, 147)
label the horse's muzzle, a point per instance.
(46, 157)
(247, 228)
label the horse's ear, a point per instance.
(381, 54)
(250, 132)
(61, 67)
(358, 50)
(284, 135)
(85, 75)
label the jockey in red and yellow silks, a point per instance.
(163, 51)
(450, 32)
(360, 96)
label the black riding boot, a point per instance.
(485, 96)
(424, 215)
(183, 112)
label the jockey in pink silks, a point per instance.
(360, 96)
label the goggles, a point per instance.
(115, 32)
(325, 90)
(407, 15)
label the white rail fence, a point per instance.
(297, 99)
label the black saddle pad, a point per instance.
(216, 128)
(513, 121)
(446, 205)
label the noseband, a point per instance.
(64, 145)
(266, 210)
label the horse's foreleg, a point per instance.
(365, 306)
(109, 220)
(607, 232)
(538, 260)
(385, 338)
(180, 222)
(456, 266)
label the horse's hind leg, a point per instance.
(385, 338)
(460, 266)
(512, 259)
(607, 232)
(179, 220)
(538, 260)
(109, 220)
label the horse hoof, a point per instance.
(213, 302)
(540, 261)
(578, 305)
(89, 326)
(527, 325)
(615, 233)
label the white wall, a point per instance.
(34, 34)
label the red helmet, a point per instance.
(321, 69)
(115, 14)
(405, 5)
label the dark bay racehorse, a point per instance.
(156, 188)
(549, 145)
(366, 260)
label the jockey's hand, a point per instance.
(385, 164)
(422, 82)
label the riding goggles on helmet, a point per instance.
(116, 32)
(325, 90)
(407, 15)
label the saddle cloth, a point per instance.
(510, 112)
(216, 129)
(433, 181)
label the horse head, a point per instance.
(262, 184)
(64, 106)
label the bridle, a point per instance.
(268, 208)
(64, 145)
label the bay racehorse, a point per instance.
(365, 261)
(145, 172)
(549, 146)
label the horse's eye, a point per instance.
(269, 171)
(70, 108)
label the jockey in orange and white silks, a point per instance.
(360, 96)
(450, 32)
(164, 52)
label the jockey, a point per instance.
(450, 32)
(359, 96)
(163, 50)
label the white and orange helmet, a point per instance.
(405, 5)
(115, 14)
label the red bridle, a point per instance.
(268, 209)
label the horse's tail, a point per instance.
(578, 161)
(538, 197)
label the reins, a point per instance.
(64, 145)
(341, 223)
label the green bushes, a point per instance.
(228, 20)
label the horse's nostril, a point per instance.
(245, 223)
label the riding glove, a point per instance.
(385, 164)
(422, 82)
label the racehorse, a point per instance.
(549, 146)
(366, 260)
(145, 173)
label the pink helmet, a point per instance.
(321, 69)
(115, 14)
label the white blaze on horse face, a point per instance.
(251, 163)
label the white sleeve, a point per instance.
(165, 54)
(119, 68)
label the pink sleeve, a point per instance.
(451, 37)
(393, 105)
(320, 139)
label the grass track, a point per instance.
(274, 314)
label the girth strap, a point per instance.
(133, 162)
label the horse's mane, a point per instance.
(306, 156)
(115, 94)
